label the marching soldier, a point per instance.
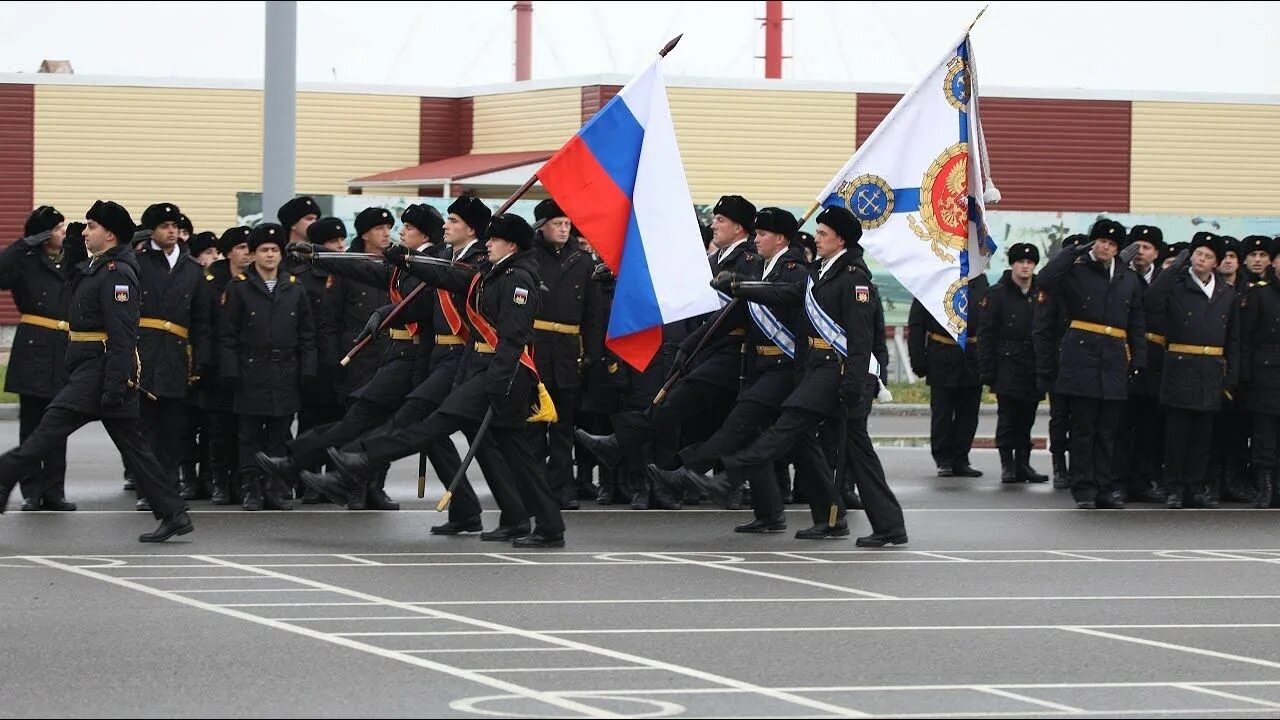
(770, 348)
(1105, 336)
(602, 387)
(955, 392)
(172, 322)
(1007, 361)
(569, 339)
(218, 405)
(1200, 362)
(1048, 325)
(35, 269)
(500, 376)
(267, 353)
(1260, 372)
(356, 302)
(102, 362)
(842, 373)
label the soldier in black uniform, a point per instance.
(203, 248)
(185, 228)
(569, 339)
(770, 349)
(267, 354)
(357, 302)
(838, 384)
(1260, 373)
(1007, 361)
(1140, 448)
(951, 372)
(35, 269)
(171, 323)
(499, 376)
(1048, 324)
(602, 387)
(217, 404)
(698, 404)
(1229, 477)
(1200, 362)
(1255, 255)
(1105, 337)
(102, 361)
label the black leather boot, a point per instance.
(220, 487)
(1008, 471)
(604, 447)
(179, 524)
(376, 497)
(1061, 481)
(1264, 485)
(275, 493)
(1025, 472)
(187, 482)
(251, 490)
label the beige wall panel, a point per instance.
(345, 136)
(193, 147)
(1205, 158)
(533, 120)
(772, 146)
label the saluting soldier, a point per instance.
(569, 339)
(1007, 361)
(951, 372)
(1140, 448)
(172, 322)
(217, 404)
(1048, 325)
(1105, 337)
(499, 376)
(102, 361)
(1260, 372)
(1200, 363)
(35, 269)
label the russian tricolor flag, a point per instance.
(622, 183)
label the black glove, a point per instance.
(1181, 259)
(850, 398)
(140, 236)
(397, 256)
(920, 370)
(1081, 249)
(724, 282)
(1128, 254)
(301, 251)
(602, 272)
(375, 321)
(112, 400)
(682, 357)
(38, 239)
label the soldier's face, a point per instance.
(299, 229)
(828, 242)
(457, 232)
(377, 239)
(267, 256)
(770, 243)
(1203, 261)
(724, 232)
(1230, 264)
(239, 257)
(207, 256)
(96, 237)
(556, 230)
(1257, 261)
(1275, 264)
(334, 244)
(1104, 250)
(183, 235)
(499, 248)
(165, 235)
(54, 243)
(1147, 254)
(411, 237)
(1023, 270)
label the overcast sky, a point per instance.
(1220, 47)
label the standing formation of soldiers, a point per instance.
(1160, 362)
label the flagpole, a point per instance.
(975, 20)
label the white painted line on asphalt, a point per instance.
(515, 649)
(496, 628)
(773, 576)
(245, 590)
(359, 560)
(1227, 695)
(1232, 556)
(940, 556)
(300, 604)
(805, 558)
(1180, 648)
(1026, 699)
(1078, 556)
(722, 601)
(511, 558)
(351, 618)
(915, 688)
(190, 577)
(505, 686)
(917, 628)
(566, 553)
(596, 668)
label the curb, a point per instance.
(8, 411)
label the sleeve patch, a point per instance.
(862, 293)
(521, 296)
(122, 293)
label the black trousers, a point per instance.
(689, 401)
(1059, 424)
(313, 416)
(1094, 426)
(1231, 431)
(511, 476)
(1266, 437)
(49, 479)
(953, 423)
(224, 444)
(262, 432)
(1187, 437)
(58, 423)
(1014, 418)
(1140, 459)
(441, 453)
(309, 448)
(552, 443)
(163, 422)
(195, 437)
(596, 424)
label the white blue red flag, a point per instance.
(919, 185)
(622, 183)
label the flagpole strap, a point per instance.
(830, 330)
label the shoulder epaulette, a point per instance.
(240, 276)
(790, 265)
(1260, 283)
(208, 276)
(293, 278)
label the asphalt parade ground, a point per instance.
(1006, 602)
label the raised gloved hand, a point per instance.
(1081, 249)
(1129, 253)
(38, 239)
(724, 281)
(396, 255)
(301, 251)
(141, 236)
